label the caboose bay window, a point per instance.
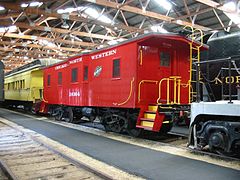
(116, 68)
(74, 75)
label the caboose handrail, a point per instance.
(176, 89)
(130, 93)
(139, 86)
(159, 92)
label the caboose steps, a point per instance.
(144, 127)
(148, 119)
(152, 108)
(149, 114)
(147, 122)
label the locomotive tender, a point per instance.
(139, 84)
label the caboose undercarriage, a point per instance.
(116, 119)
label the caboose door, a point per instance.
(166, 64)
(154, 64)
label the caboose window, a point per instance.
(85, 75)
(48, 80)
(116, 68)
(59, 78)
(164, 59)
(74, 75)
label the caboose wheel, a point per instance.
(58, 115)
(132, 130)
(69, 117)
(114, 123)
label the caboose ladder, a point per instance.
(194, 62)
(194, 57)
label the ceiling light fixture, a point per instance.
(2, 8)
(179, 22)
(23, 5)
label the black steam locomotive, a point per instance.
(215, 117)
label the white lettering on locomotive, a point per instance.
(74, 94)
(104, 54)
(75, 60)
(61, 66)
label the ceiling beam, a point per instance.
(6, 49)
(9, 15)
(25, 44)
(215, 5)
(34, 26)
(146, 13)
(48, 13)
(28, 37)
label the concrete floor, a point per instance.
(133, 159)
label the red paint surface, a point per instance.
(105, 91)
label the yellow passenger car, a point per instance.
(24, 85)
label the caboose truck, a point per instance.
(140, 84)
(216, 124)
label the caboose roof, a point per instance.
(150, 39)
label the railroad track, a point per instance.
(24, 158)
(174, 139)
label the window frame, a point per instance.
(85, 73)
(169, 60)
(60, 82)
(49, 80)
(118, 76)
(76, 76)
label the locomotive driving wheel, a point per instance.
(114, 123)
(218, 141)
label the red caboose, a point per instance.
(131, 86)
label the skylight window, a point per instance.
(95, 14)
(231, 6)
(158, 29)
(44, 42)
(231, 12)
(165, 4)
(32, 4)
(8, 29)
(89, 11)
